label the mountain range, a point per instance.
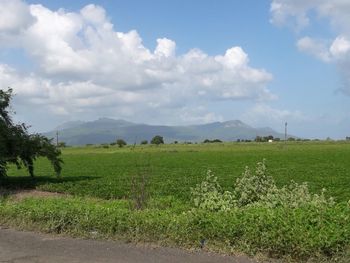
(106, 130)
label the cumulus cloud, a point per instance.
(15, 16)
(82, 62)
(298, 13)
(317, 48)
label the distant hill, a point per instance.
(105, 130)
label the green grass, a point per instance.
(302, 233)
(96, 176)
(173, 169)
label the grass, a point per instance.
(99, 180)
(105, 173)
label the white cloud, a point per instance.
(165, 47)
(317, 48)
(94, 14)
(340, 47)
(83, 63)
(298, 13)
(15, 16)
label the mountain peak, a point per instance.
(235, 124)
(106, 130)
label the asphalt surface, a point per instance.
(19, 247)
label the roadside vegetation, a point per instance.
(167, 195)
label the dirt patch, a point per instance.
(19, 195)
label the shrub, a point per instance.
(208, 195)
(251, 188)
(255, 189)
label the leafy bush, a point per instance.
(251, 188)
(209, 195)
(255, 189)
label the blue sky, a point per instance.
(292, 63)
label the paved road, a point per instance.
(19, 247)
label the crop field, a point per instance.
(100, 181)
(172, 169)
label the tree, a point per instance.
(19, 147)
(157, 140)
(121, 143)
(144, 142)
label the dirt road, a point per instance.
(19, 247)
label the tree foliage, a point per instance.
(157, 140)
(121, 143)
(19, 147)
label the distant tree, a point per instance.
(291, 139)
(19, 147)
(121, 143)
(277, 139)
(238, 140)
(176, 142)
(211, 141)
(157, 140)
(144, 142)
(347, 138)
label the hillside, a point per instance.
(105, 130)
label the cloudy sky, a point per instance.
(180, 62)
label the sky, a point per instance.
(264, 62)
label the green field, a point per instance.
(173, 169)
(99, 181)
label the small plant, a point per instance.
(139, 195)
